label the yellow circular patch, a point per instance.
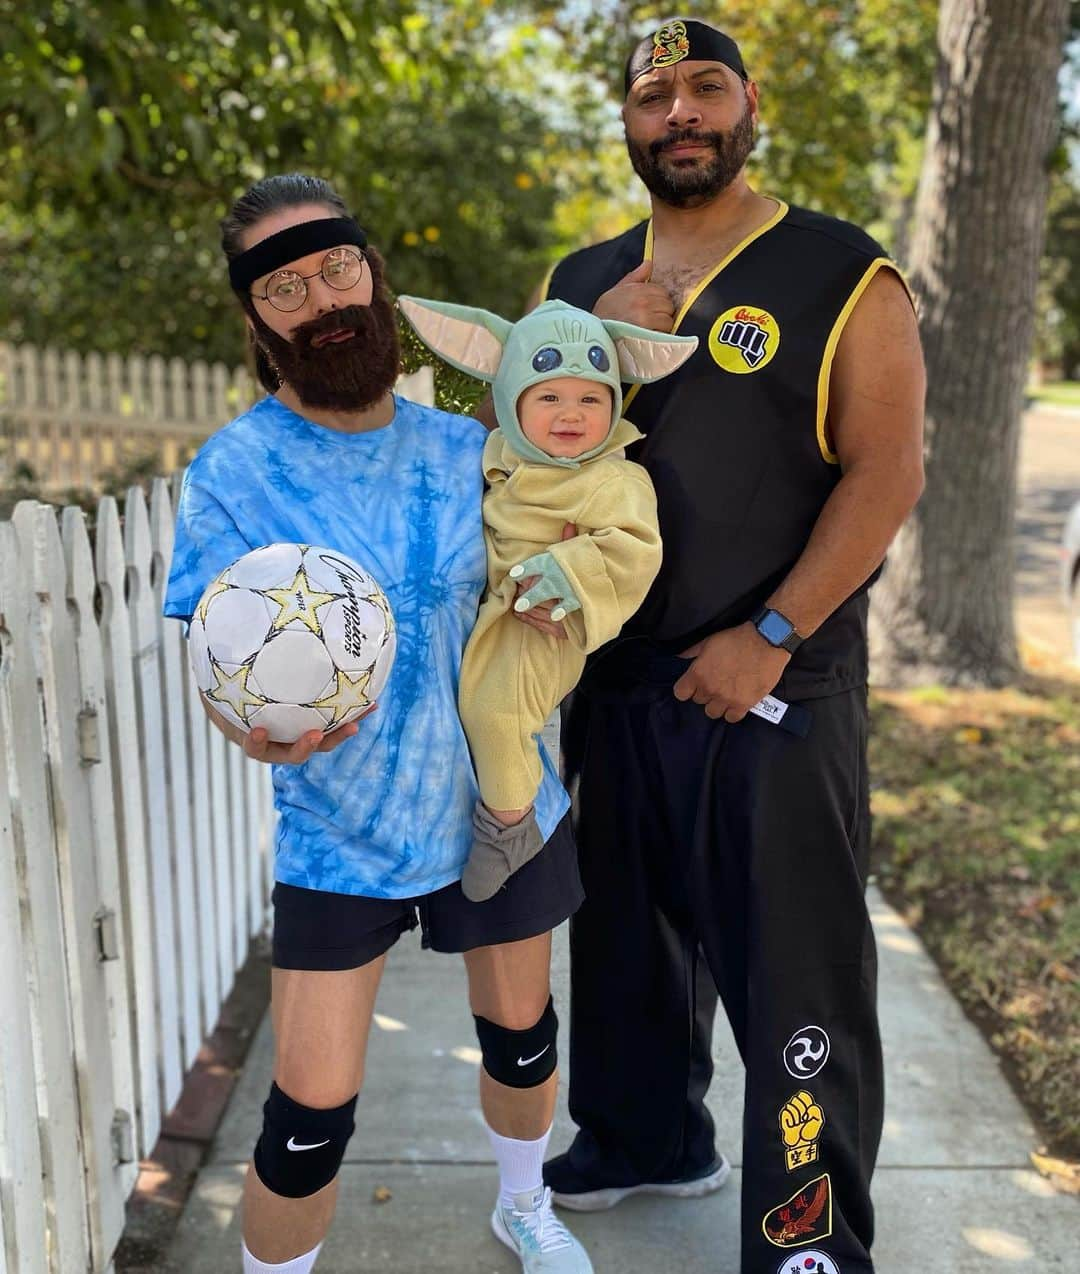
(744, 339)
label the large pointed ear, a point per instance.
(645, 355)
(469, 339)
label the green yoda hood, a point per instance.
(553, 340)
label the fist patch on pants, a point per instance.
(801, 1122)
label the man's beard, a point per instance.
(347, 376)
(691, 184)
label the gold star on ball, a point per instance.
(299, 601)
(231, 689)
(343, 698)
(213, 590)
(382, 603)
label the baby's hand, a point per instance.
(540, 616)
(551, 585)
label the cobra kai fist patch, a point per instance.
(671, 44)
(804, 1218)
(744, 339)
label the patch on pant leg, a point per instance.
(808, 1263)
(806, 1053)
(805, 1217)
(801, 1122)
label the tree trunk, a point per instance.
(943, 611)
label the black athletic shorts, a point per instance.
(314, 929)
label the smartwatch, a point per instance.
(777, 629)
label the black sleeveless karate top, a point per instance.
(735, 440)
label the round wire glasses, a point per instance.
(342, 268)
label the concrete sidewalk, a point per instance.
(954, 1190)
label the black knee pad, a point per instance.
(300, 1149)
(519, 1059)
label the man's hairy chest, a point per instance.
(680, 268)
(680, 280)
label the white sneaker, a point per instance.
(532, 1230)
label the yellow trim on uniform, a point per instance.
(546, 283)
(780, 213)
(827, 454)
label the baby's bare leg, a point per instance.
(509, 817)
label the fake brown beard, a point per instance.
(694, 185)
(352, 375)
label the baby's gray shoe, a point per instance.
(497, 852)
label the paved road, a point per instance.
(1049, 484)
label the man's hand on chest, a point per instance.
(636, 299)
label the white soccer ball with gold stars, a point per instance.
(292, 638)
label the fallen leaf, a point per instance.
(1025, 1035)
(1039, 905)
(1065, 1175)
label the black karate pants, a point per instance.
(729, 857)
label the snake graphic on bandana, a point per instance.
(672, 44)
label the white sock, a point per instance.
(298, 1265)
(521, 1164)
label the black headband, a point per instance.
(288, 245)
(678, 41)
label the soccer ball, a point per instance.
(292, 638)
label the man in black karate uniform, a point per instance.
(723, 844)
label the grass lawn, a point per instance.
(977, 842)
(1061, 393)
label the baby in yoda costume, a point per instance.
(557, 457)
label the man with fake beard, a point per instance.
(342, 362)
(719, 744)
(375, 819)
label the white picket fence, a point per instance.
(134, 841)
(133, 872)
(71, 417)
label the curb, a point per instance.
(167, 1177)
(1053, 409)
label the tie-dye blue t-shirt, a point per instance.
(387, 813)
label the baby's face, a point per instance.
(567, 416)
